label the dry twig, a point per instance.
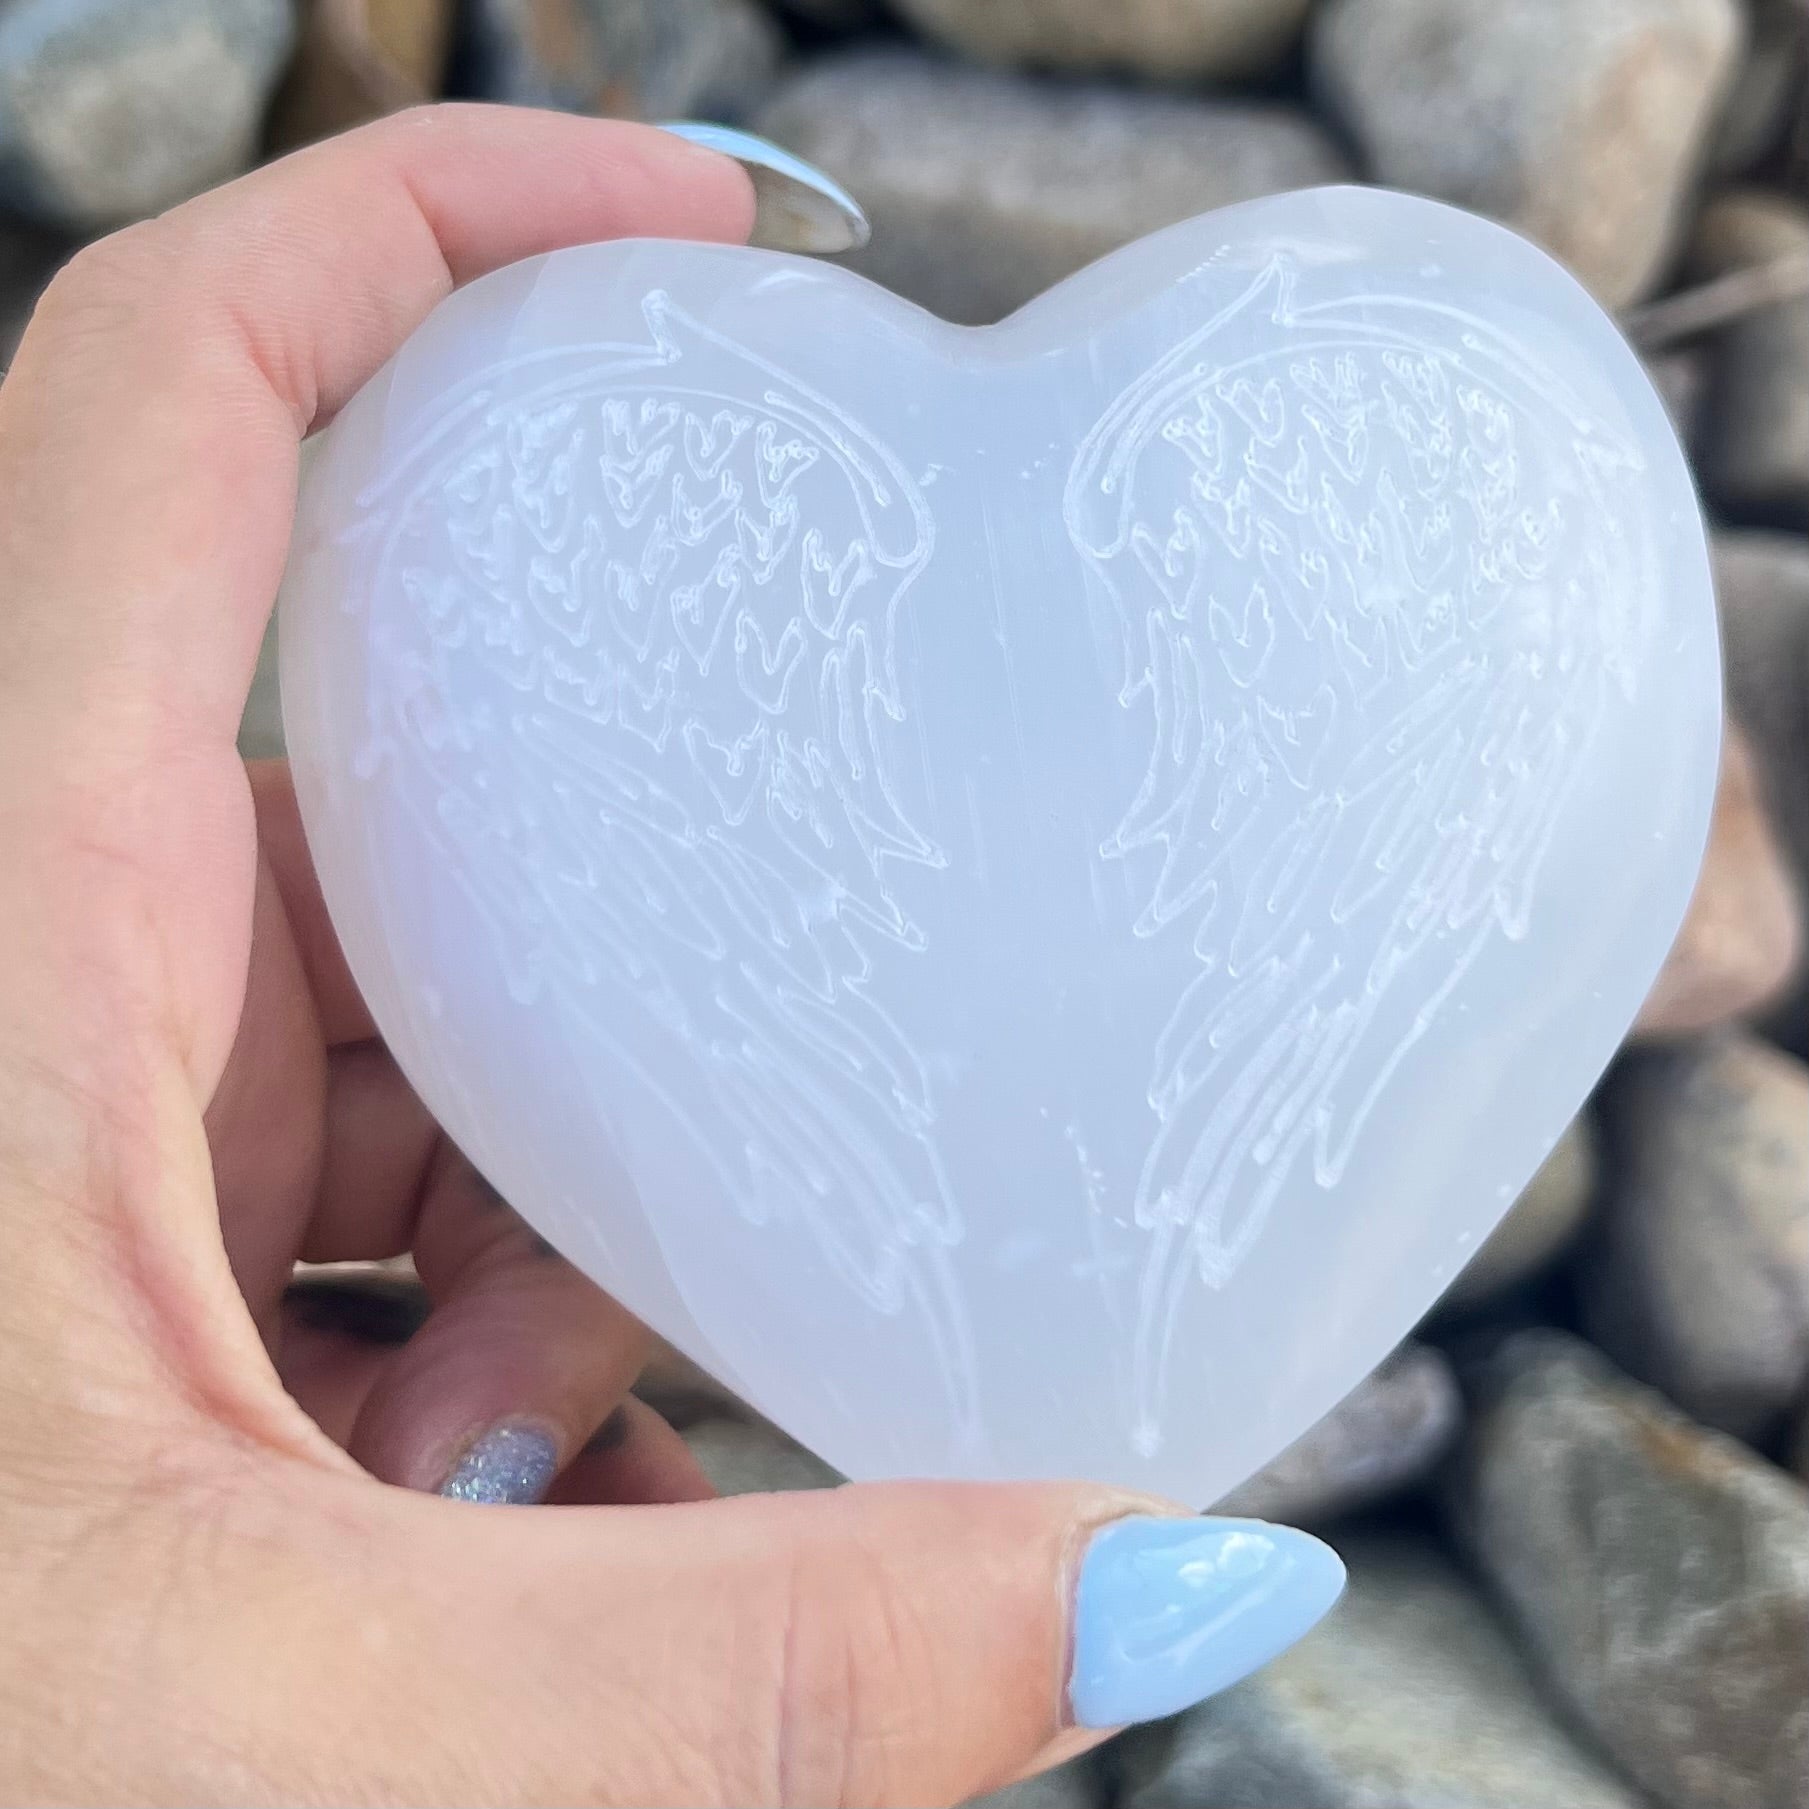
(1717, 303)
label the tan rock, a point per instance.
(639, 59)
(1753, 444)
(1538, 1225)
(1658, 1573)
(1680, 375)
(1762, 583)
(1742, 938)
(114, 110)
(1409, 1695)
(1385, 1435)
(356, 60)
(1699, 1279)
(985, 188)
(1760, 101)
(1581, 125)
(1174, 40)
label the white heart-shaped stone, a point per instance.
(1025, 895)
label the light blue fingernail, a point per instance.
(798, 207)
(1170, 1611)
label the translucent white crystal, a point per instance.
(1026, 895)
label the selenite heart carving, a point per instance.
(1026, 895)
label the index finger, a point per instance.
(149, 438)
(148, 428)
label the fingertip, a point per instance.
(799, 207)
(633, 1459)
(510, 1464)
(235, 323)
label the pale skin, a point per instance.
(211, 1586)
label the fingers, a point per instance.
(633, 1458)
(900, 1644)
(381, 1148)
(171, 370)
(337, 1332)
(520, 1362)
(264, 1121)
(341, 1331)
(148, 452)
(281, 1089)
(522, 1352)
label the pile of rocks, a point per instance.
(1574, 1504)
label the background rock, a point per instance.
(1680, 375)
(28, 258)
(1699, 1279)
(114, 109)
(1762, 581)
(1765, 87)
(1579, 125)
(1175, 40)
(1408, 1696)
(1660, 1573)
(1742, 938)
(357, 60)
(984, 189)
(743, 1457)
(1754, 447)
(1386, 1433)
(683, 1393)
(835, 15)
(640, 59)
(1076, 1785)
(1538, 1225)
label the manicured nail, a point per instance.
(1170, 1611)
(798, 208)
(511, 1463)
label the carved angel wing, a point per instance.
(646, 676)
(1371, 587)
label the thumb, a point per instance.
(912, 1643)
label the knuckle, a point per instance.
(102, 290)
(397, 129)
(110, 272)
(856, 1698)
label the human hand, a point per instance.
(204, 1595)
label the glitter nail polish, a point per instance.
(511, 1463)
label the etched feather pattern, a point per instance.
(656, 736)
(1373, 594)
